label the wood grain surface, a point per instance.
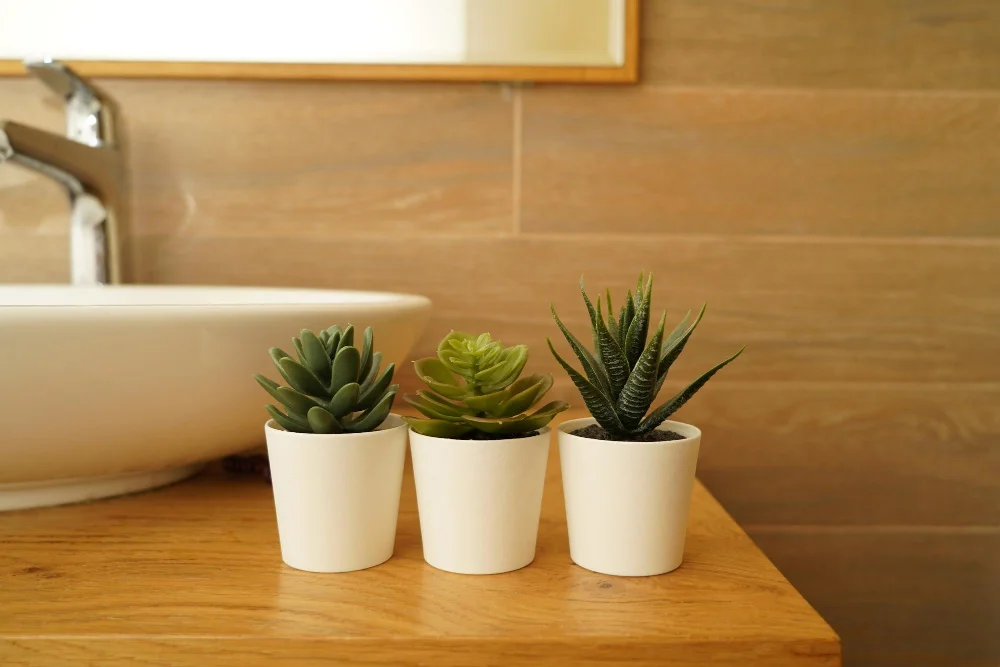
(759, 162)
(870, 44)
(191, 575)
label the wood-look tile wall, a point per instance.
(822, 172)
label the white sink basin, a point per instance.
(109, 390)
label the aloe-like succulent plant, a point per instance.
(475, 390)
(333, 387)
(624, 373)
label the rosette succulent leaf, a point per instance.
(332, 386)
(625, 371)
(475, 389)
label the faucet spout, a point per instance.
(89, 164)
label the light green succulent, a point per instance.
(624, 373)
(475, 390)
(333, 387)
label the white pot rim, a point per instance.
(689, 432)
(545, 430)
(398, 422)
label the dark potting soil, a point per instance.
(595, 432)
(478, 435)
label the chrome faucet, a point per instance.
(89, 162)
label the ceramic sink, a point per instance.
(110, 390)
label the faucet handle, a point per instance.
(89, 113)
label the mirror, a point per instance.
(489, 40)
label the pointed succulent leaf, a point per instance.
(323, 336)
(286, 422)
(599, 405)
(638, 393)
(669, 354)
(322, 421)
(625, 319)
(297, 404)
(635, 339)
(612, 322)
(346, 365)
(594, 370)
(372, 394)
(434, 369)
(520, 423)
(488, 402)
(660, 414)
(316, 358)
(345, 401)
(372, 418)
(613, 358)
(367, 353)
(438, 428)
(301, 379)
(297, 344)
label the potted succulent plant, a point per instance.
(628, 475)
(336, 452)
(479, 459)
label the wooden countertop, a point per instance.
(191, 575)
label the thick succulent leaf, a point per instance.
(638, 330)
(434, 369)
(269, 385)
(489, 402)
(323, 336)
(286, 422)
(638, 393)
(657, 416)
(433, 409)
(322, 421)
(438, 428)
(676, 343)
(372, 374)
(615, 364)
(333, 342)
(315, 355)
(277, 354)
(299, 378)
(367, 353)
(600, 406)
(346, 365)
(507, 373)
(371, 395)
(594, 370)
(445, 403)
(370, 419)
(447, 390)
(346, 338)
(297, 404)
(345, 401)
(518, 424)
(523, 400)
(297, 344)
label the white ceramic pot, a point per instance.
(337, 496)
(627, 502)
(479, 501)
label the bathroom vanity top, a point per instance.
(191, 575)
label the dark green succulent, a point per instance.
(624, 373)
(333, 387)
(475, 389)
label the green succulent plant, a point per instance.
(475, 390)
(333, 387)
(624, 373)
